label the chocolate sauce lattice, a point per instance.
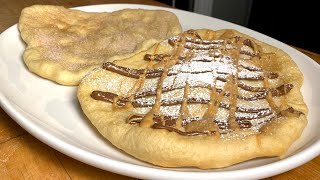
(218, 67)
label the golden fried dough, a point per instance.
(63, 45)
(206, 99)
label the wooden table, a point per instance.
(24, 157)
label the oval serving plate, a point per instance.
(51, 112)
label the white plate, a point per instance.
(52, 114)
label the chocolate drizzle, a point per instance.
(184, 133)
(109, 97)
(249, 43)
(156, 57)
(197, 58)
(154, 73)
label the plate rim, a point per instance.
(138, 171)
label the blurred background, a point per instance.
(292, 22)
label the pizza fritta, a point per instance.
(203, 98)
(63, 45)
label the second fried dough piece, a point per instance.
(63, 45)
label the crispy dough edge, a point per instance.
(56, 72)
(168, 149)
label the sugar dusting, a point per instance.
(205, 67)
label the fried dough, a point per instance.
(63, 45)
(206, 99)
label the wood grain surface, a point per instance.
(24, 157)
